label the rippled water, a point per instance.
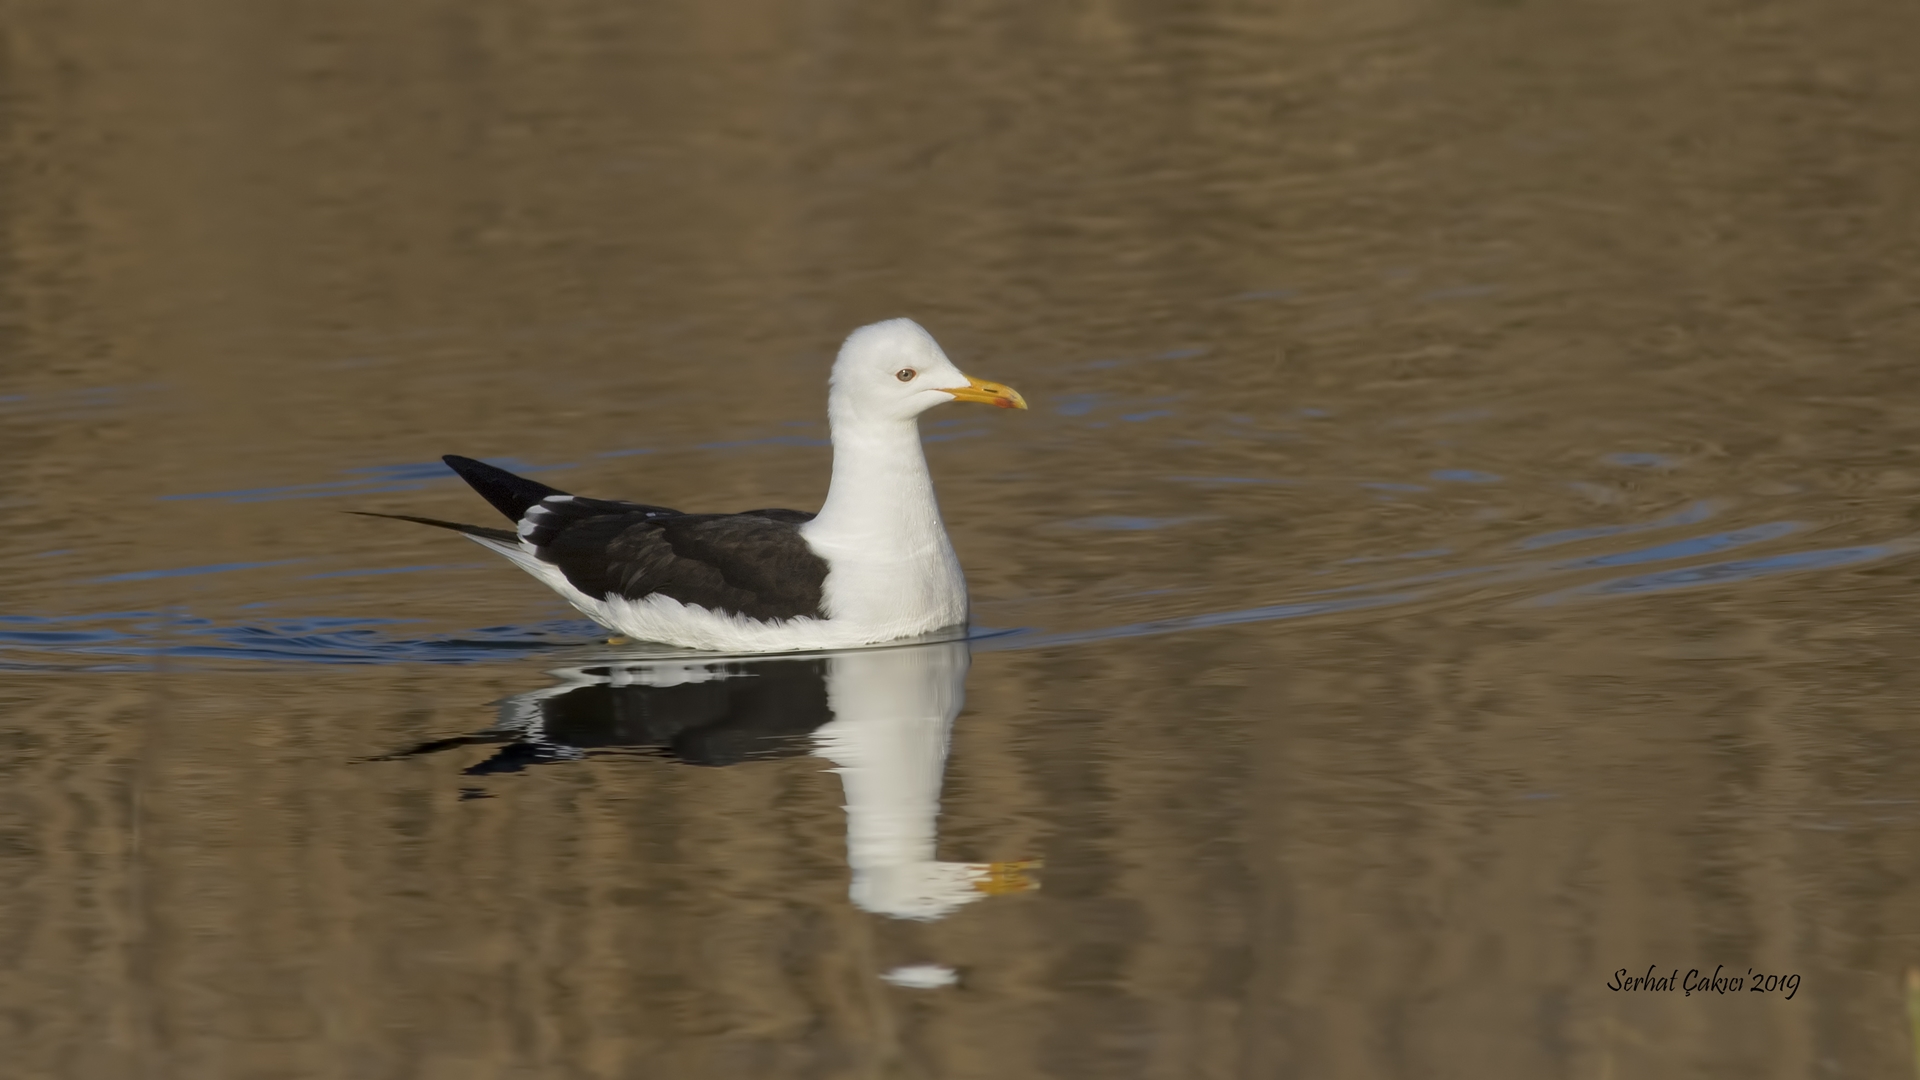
(1462, 546)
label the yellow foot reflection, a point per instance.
(1003, 878)
(618, 640)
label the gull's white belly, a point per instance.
(864, 608)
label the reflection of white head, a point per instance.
(893, 710)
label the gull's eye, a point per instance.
(905, 374)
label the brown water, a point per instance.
(1462, 546)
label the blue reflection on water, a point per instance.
(1381, 485)
(189, 571)
(131, 640)
(1078, 404)
(1640, 461)
(386, 570)
(1698, 545)
(1269, 613)
(1740, 570)
(771, 440)
(1231, 480)
(1122, 523)
(1692, 515)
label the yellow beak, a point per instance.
(997, 394)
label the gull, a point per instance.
(873, 565)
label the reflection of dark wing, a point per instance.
(754, 563)
(748, 711)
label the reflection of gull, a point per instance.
(715, 713)
(882, 716)
(893, 711)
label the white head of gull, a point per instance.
(874, 565)
(893, 572)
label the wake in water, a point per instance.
(133, 641)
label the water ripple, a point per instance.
(133, 640)
(1691, 515)
(1722, 573)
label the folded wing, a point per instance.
(754, 564)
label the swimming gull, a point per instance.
(874, 565)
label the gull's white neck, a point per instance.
(890, 562)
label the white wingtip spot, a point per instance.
(528, 523)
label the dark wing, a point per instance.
(509, 494)
(754, 564)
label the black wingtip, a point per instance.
(509, 494)
(471, 530)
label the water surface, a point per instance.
(1462, 546)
